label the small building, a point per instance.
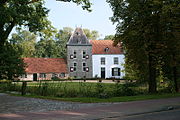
(44, 68)
(108, 60)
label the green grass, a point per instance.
(113, 99)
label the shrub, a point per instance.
(123, 90)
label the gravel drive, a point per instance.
(14, 104)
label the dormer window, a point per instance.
(106, 49)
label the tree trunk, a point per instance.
(175, 75)
(152, 75)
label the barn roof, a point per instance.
(45, 65)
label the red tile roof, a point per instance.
(98, 47)
(45, 65)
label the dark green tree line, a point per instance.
(31, 14)
(148, 32)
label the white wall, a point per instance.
(109, 60)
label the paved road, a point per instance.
(20, 108)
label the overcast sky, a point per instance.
(70, 15)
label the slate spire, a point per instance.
(78, 38)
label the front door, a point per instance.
(103, 72)
(35, 77)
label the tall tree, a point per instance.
(140, 30)
(61, 40)
(109, 37)
(28, 13)
(11, 66)
(26, 41)
(91, 35)
(54, 45)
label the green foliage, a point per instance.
(91, 35)
(26, 41)
(79, 89)
(149, 34)
(30, 14)
(11, 65)
(109, 37)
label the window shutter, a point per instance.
(112, 71)
(87, 56)
(119, 72)
(87, 69)
(71, 69)
(71, 56)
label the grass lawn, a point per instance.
(84, 92)
(113, 99)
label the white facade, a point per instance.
(109, 65)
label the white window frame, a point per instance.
(116, 60)
(103, 62)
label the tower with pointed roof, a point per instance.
(79, 55)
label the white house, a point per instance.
(107, 59)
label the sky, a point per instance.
(64, 14)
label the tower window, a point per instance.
(84, 54)
(75, 66)
(84, 67)
(75, 54)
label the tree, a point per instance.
(61, 40)
(22, 13)
(141, 30)
(109, 37)
(11, 66)
(91, 35)
(46, 48)
(54, 45)
(26, 41)
(29, 13)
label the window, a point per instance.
(24, 76)
(42, 75)
(106, 49)
(103, 61)
(116, 61)
(62, 75)
(75, 66)
(54, 75)
(84, 54)
(84, 67)
(74, 54)
(116, 72)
